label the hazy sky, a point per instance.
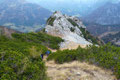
(63, 0)
(86, 1)
(77, 7)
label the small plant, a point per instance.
(51, 20)
(72, 29)
(34, 53)
(72, 22)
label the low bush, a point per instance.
(51, 20)
(39, 38)
(106, 56)
(72, 22)
(72, 29)
(21, 60)
(63, 56)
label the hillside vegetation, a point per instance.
(39, 38)
(105, 56)
(20, 56)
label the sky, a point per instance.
(72, 7)
(75, 1)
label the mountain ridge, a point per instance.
(69, 28)
(22, 15)
(107, 14)
(114, 38)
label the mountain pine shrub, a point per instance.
(106, 56)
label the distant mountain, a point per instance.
(108, 14)
(71, 29)
(21, 15)
(114, 38)
(98, 30)
(71, 7)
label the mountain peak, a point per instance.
(57, 14)
(108, 14)
(69, 28)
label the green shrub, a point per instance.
(63, 56)
(20, 60)
(106, 56)
(39, 38)
(15, 65)
(72, 22)
(20, 56)
(72, 29)
(51, 20)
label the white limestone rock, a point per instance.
(59, 25)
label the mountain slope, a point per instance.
(114, 38)
(71, 29)
(108, 14)
(7, 32)
(97, 29)
(21, 15)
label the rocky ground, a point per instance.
(77, 71)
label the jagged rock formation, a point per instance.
(69, 28)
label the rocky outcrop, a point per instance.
(69, 28)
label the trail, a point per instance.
(77, 71)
